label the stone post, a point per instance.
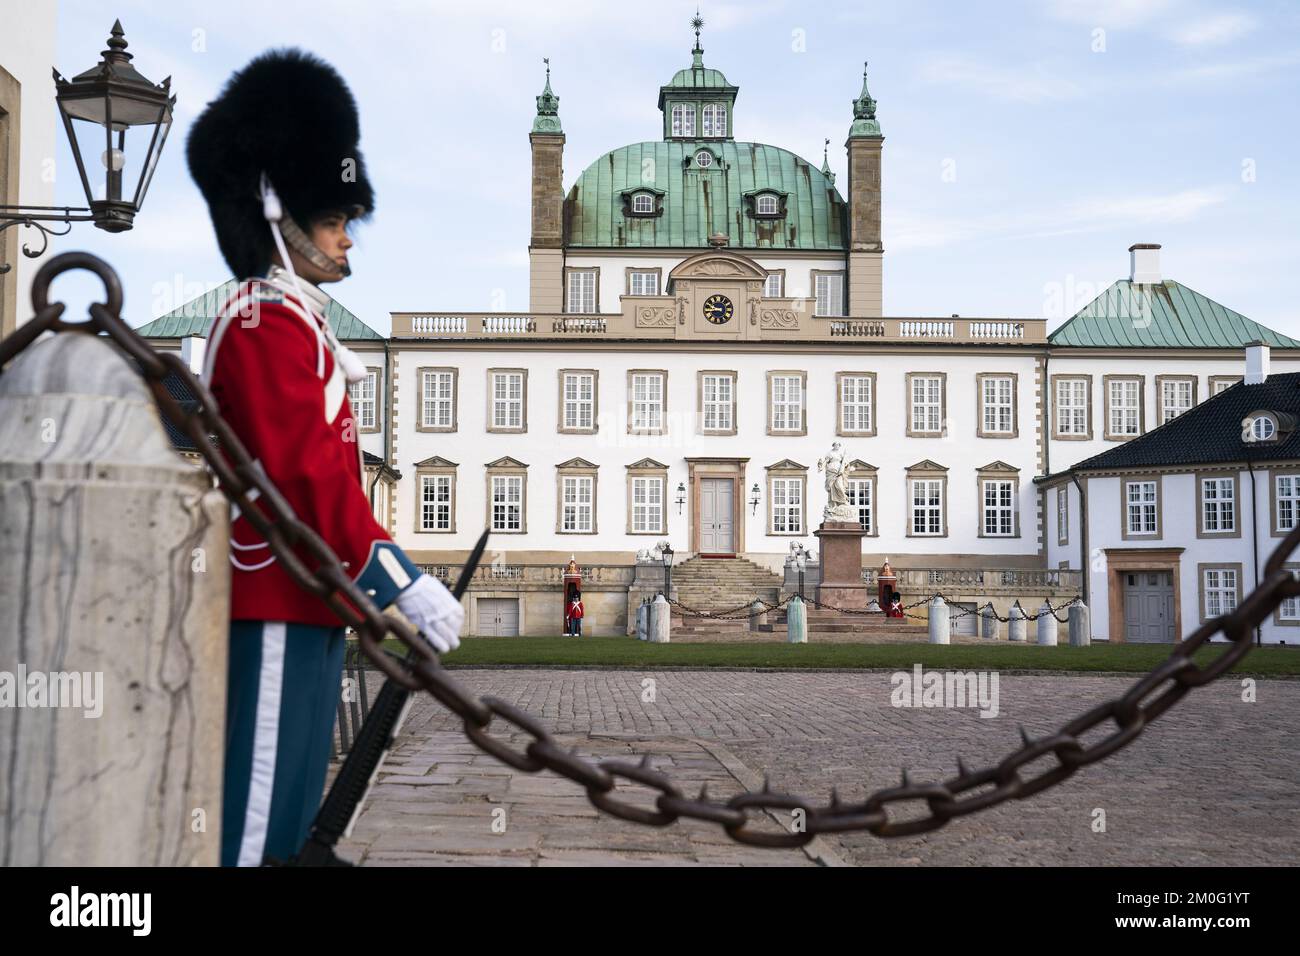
(1080, 625)
(1047, 626)
(989, 623)
(939, 631)
(114, 597)
(757, 615)
(1017, 629)
(643, 621)
(658, 630)
(796, 620)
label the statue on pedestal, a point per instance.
(837, 486)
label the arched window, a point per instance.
(719, 120)
(677, 120)
(708, 120)
(643, 203)
(688, 120)
(767, 205)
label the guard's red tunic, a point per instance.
(272, 368)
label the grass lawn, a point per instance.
(626, 652)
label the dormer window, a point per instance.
(643, 202)
(1267, 427)
(704, 159)
(765, 203)
(683, 120)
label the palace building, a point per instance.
(705, 320)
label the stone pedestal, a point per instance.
(839, 580)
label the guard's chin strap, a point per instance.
(297, 239)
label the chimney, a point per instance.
(192, 349)
(1144, 263)
(1256, 362)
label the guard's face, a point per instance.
(330, 236)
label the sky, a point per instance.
(1027, 144)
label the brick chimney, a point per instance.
(1256, 362)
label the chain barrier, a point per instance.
(313, 565)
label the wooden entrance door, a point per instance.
(717, 531)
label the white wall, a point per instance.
(613, 449)
(27, 50)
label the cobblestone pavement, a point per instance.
(1214, 781)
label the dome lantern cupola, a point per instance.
(548, 106)
(698, 102)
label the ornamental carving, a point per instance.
(654, 317)
(779, 319)
(717, 268)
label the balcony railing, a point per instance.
(985, 580)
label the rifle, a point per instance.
(343, 803)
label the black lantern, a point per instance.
(113, 97)
(753, 500)
(666, 556)
(109, 99)
(681, 495)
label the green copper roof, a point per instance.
(1161, 315)
(196, 316)
(548, 107)
(697, 203)
(698, 78)
(864, 113)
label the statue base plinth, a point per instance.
(840, 565)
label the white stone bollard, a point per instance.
(1018, 626)
(114, 585)
(658, 629)
(757, 615)
(796, 622)
(1047, 626)
(643, 621)
(939, 630)
(1080, 625)
(989, 623)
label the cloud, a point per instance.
(1223, 28)
(1253, 66)
(1111, 13)
(1023, 84)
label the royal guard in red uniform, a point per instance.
(276, 157)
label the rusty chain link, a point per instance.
(313, 565)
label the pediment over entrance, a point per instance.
(718, 264)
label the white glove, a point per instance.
(434, 611)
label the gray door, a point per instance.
(498, 617)
(1149, 607)
(715, 516)
(963, 626)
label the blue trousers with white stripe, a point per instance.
(282, 696)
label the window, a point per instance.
(715, 120)
(436, 503)
(927, 506)
(1262, 428)
(999, 518)
(1177, 395)
(507, 400)
(787, 505)
(1219, 383)
(997, 405)
(785, 402)
(1124, 407)
(578, 401)
(717, 402)
(582, 291)
(1289, 610)
(1286, 502)
(829, 289)
(855, 398)
(361, 395)
(437, 400)
(1072, 408)
(1141, 508)
(925, 400)
(1063, 515)
(767, 205)
(1218, 505)
(507, 502)
(577, 496)
(646, 401)
(861, 495)
(643, 203)
(774, 285)
(1219, 585)
(643, 283)
(704, 159)
(683, 120)
(647, 505)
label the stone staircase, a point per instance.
(717, 584)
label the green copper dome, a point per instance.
(692, 203)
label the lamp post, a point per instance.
(111, 97)
(666, 556)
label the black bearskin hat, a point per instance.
(290, 115)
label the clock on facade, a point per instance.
(717, 309)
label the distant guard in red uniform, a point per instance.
(277, 159)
